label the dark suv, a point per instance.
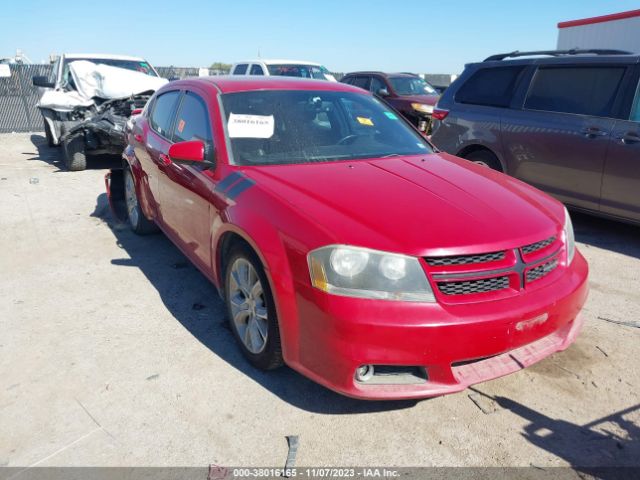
(567, 122)
(409, 94)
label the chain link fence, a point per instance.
(18, 96)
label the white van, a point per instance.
(286, 68)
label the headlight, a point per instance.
(364, 273)
(421, 107)
(569, 237)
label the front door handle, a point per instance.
(165, 159)
(629, 138)
(593, 132)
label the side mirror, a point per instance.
(41, 81)
(383, 92)
(192, 151)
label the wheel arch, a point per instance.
(131, 162)
(271, 251)
(477, 147)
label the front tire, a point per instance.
(137, 221)
(251, 309)
(75, 158)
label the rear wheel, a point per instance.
(137, 221)
(251, 309)
(485, 158)
(75, 158)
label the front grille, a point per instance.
(534, 247)
(474, 286)
(465, 259)
(541, 270)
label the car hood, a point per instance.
(426, 99)
(432, 204)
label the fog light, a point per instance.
(364, 373)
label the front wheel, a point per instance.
(251, 310)
(137, 221)
(75, 158)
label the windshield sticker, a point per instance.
(391, 115)
(250, 126)
(421, 145)
(364, 121)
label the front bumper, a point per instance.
(458, 345)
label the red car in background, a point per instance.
(343, 244)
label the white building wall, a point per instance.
(623, 34)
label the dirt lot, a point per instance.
(114, 352)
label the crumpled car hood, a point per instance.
(433, 204)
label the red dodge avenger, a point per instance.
(344, 244)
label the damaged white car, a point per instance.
(86, 106)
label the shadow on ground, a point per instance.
(601, 448)
(54, 156)
(194, 302)
(607, 234)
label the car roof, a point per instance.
(102, 56)
(280, 62)
(384, 74)
(562, 59)
(237, 83)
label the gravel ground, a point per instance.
(114, 352)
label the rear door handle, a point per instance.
(138, 137)
(629, 138)
(593, 132)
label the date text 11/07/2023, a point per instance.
(309, 473)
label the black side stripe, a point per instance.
(228, 181)
(240, 187)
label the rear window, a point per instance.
(240, 69)
(256, 70)
(490, 86)
(579, 90)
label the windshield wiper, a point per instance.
(390, 155)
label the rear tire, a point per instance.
(75, 158)
(485, 158)
(139, 224)
(251, 310)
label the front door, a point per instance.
(186, 189)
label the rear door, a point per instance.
(558, 141)
(186, 189)
(152, 143)
(621, 179)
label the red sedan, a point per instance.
(344, 244)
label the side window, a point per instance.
(361, 81)
(635, 109)
(376, 84)
(193, 120)
(581, 90)
(490, 86)
(163, 112)
(240, 69)
(256, 70)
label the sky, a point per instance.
(346, 35)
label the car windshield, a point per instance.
(304, 71)
(411, 86)
(299, 126)
(135, 65)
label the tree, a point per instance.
(220, 67)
